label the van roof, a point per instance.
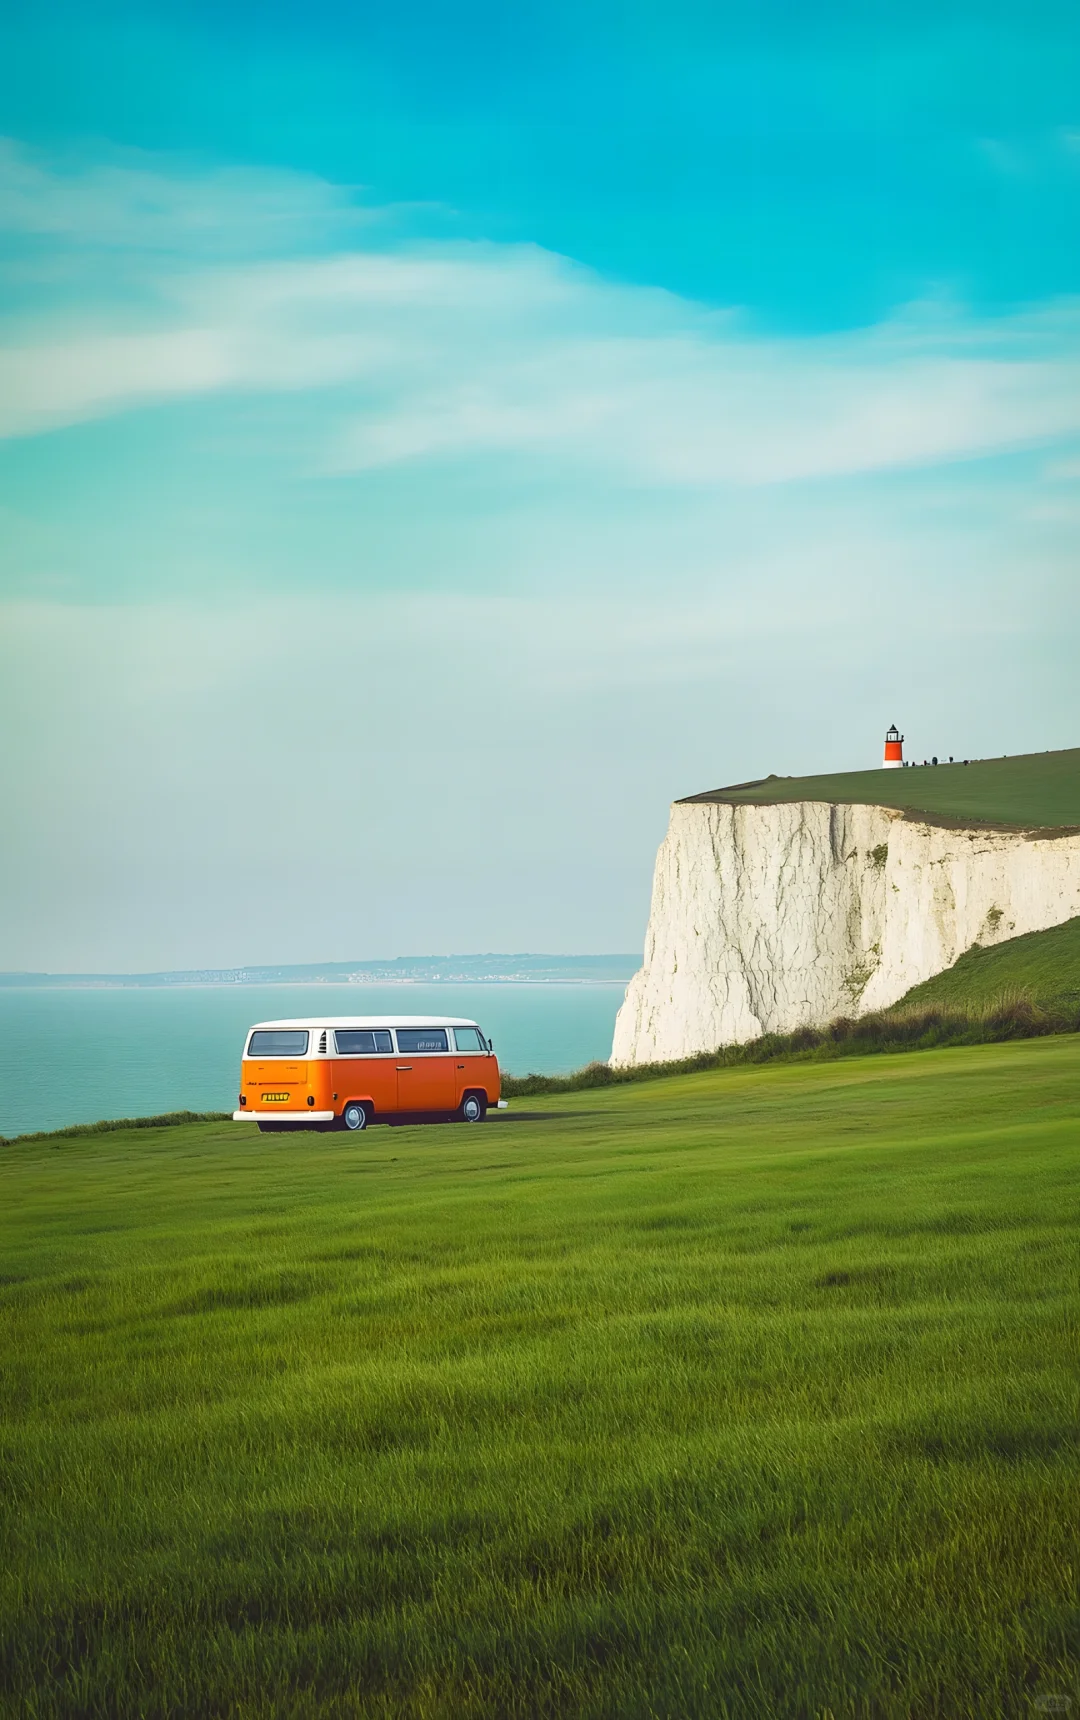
(386, 1020)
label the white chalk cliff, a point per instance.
(767, 918)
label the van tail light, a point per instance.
(243, 1098)
(311, 1098)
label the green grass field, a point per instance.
(1037, 790)
(749, 1393)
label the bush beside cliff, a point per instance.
(903, 1028)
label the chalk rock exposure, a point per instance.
(769, 917)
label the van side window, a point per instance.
(362, 1042)
(278, 1042)
(469, 1039)
(422, 1039)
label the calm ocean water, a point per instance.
(76, 1056)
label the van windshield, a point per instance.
(278, 1042)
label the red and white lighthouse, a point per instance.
(894, 749)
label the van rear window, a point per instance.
(422, 1039)
(278, 1042)
(362, 1042)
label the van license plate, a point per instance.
(276, 1098)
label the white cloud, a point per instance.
(44, 386)
(690, 411)
(446, 351)
(1063, 471)
(134, 202)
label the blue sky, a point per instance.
(433, 438)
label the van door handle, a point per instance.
(461, 1065)
(404, 1068)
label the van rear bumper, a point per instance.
(283, 1116)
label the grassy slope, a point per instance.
(1041, 965)
(1037, 790)
(747, 1393)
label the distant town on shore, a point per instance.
(402, 970)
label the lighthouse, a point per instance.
(894, 749)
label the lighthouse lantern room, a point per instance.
(894, 748)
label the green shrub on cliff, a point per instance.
(905, 1027)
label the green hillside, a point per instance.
(1037, 790)
(1043, 965)
(746, 1393)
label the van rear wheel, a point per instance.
(473, 1108)
(355, 1115)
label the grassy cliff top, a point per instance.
(1035, 790)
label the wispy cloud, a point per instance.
(137, 203)
(443, 351)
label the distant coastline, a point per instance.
(401, 970)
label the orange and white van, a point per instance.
(353, 1070)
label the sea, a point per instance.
(85, 1054)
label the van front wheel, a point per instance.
(473, 1108)
(355, 1116)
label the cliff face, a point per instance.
(766, 918)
